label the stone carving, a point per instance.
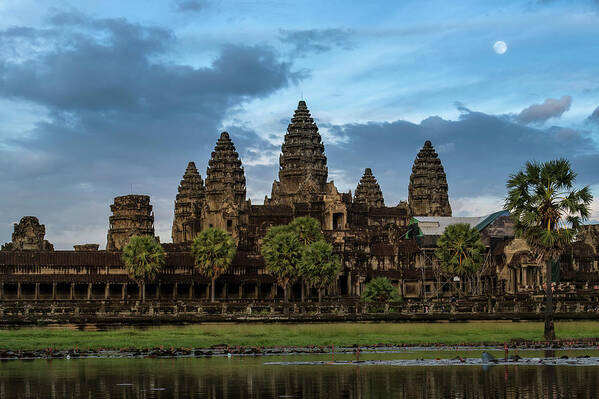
(225, 177)
(303, 168)
(368, 191)
(86, 247)
(427, 191)
(28, 235)
(225, 195)
(188, 206)
(131, 216)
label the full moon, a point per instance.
(500, 47)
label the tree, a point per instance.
(380, 290)
(307, 229)
(213, 250)
(143, 257)
(460, 250)
(282, 251)
(547, 212)
(319, 265)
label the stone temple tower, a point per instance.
(303, 168)
(427, 191)
(188, 206)
(225, 198)
(131, 216)
(368, 191)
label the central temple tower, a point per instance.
(303, 168)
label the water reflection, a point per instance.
(250, 378)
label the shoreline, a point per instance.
(238, 350)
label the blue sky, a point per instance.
(97, 97)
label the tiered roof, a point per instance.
(302, 152)
(225, 174)
(427, 191)
(368, 191)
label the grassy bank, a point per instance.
(258, 334)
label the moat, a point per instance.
(251, 377)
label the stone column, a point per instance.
(1, 290)
(175, 286)
(37, 291)
(123, 291)
(53, 290)
(72, 291)
(207, 296)
(106, 291)
(157, 291)
(225, 291)
(191, 291)
(349, 285)
(273, 291)
(89, 291)
(240, 290)
(257, 290)
(18, 290)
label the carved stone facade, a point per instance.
(28, 235)
(303, 168)
(368, 191)
(188, 206)
(131, 216)
(427, 191)
(225, 206)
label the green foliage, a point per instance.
(380, 290)
(460, 249)
(213, 250)
(282, 251)
(298, 250)
(143, 257)
(546, 208)
(307, 229)
(318, 264)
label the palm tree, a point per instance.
(282, 250)
(460, 250)
(143, 257)
(213, 250)
(319, 265)
(547, 212)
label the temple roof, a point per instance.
(192, 185)
(224, 172)
(428, 191)
(368, 191)
(302, 150)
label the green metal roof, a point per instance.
(490, 219)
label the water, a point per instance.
(250, 377)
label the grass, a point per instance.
(284, 334)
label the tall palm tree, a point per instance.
(143, 257)
(460, 250)
(547, 212)
(319, 265)
(213, 250)
(282, 251)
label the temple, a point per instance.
(428, 191)
(371, 237)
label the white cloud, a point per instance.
(475, 206)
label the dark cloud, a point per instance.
(116, 113)
(539, 113)
(190, 5)
(479, 152)
(594, 117)
(316, 40)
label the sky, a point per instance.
(104, 98)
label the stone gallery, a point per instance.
(372, 238)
